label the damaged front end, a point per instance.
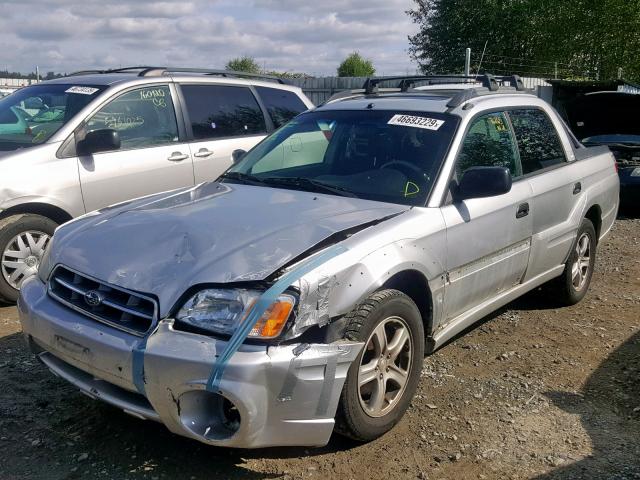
(225, 363)
(268, 395)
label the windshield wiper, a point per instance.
(310, 183)
(243, 178)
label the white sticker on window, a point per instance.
(82, 90)
(417, 122)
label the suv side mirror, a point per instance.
(96, 141)
(238, 155)
(480, 182)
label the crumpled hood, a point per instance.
(214, 233)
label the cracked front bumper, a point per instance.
(277, 395)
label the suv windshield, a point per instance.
(377, 155)
(31, 115)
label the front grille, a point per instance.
(100, 301)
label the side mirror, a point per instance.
(238, 155)
(96, 141)
(480, 182)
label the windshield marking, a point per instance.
(417, 122)
(82, 90)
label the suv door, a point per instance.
(151, 158)
(488, 239)
(556, 186)
(221, 119)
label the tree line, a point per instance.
(576, 38)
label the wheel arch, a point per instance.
(52, 212)
(415, 285)
(594, 214)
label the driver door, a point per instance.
(151, 158)
(488, 239)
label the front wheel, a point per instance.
(383, 379)
(23, 240)
(572, 285)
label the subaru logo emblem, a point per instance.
(93, 298)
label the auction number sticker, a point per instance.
(417, 122)
(82, 90)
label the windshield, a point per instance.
(376, 155)
(31, 115)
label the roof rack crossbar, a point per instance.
(408, 81)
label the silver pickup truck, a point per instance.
(300, 291)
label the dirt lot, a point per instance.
(531, 392)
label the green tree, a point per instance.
(586, 38)
(356, 66)
(243, 64)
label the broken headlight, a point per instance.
(222, 311)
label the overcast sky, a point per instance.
(289, 35)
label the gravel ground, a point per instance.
(531, 392)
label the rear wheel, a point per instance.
(383, 379)
(572, 285)
(23, 240)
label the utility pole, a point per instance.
(556, 70)
(467, 62)
(37, 74)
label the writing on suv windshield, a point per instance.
(31, 115)
(377, 155)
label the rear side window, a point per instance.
(217, 111)
(489, 143)
(538, 140)
(282, 105)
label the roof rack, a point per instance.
(149, 71)
(488, 84)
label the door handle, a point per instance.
(577, 188)
(177, 157)
(523, 210)
(202, 153)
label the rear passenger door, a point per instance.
(221, 119)
(556, 186)
(488, 239)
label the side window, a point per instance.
(538, 141)
(143, 118)
(489, 143)
(218, 111)
(282, 105)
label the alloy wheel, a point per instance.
(580, 268)
(385, 367)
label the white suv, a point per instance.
(79, 143)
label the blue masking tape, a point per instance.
(261, 306)
(137, 365)
(137, 362)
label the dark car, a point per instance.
(612, 119)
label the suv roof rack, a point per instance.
(149, 71)
(488, 81)
(489, 84)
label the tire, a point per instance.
(362, 414)
(23, 239)
(572, 285)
